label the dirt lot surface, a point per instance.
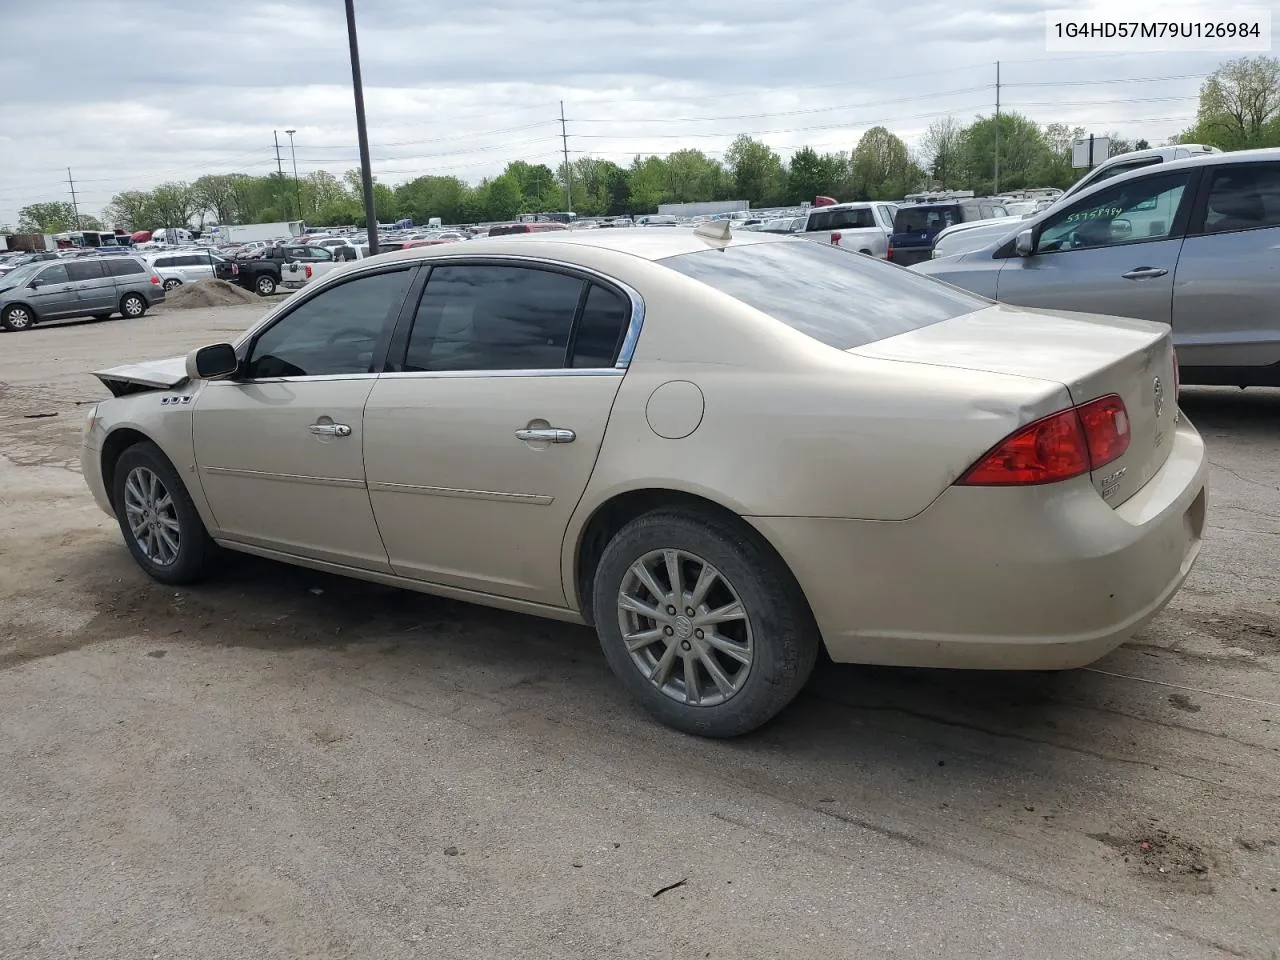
(283, 764)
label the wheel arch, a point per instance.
(115, 444)
(619, 509)
(35, 314)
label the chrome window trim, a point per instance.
(486, 374)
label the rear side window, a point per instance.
(838, 297)
(925, 219)
(85, 270)
(481, 317)
(166, 261)
(1243, 198)
(604, 321)
(124, 267)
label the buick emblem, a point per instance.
(1157, 390)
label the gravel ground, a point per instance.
(284, 764)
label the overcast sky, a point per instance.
(129, 93)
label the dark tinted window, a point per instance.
(124, 266)
(600, 330)
(55, 274)
(924, 218)
(493, 318)
(85, 270)
(335, 332)
(838, 297)
(502, 231)
(1243, 197)
(1118, 169)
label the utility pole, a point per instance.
(996, 187)
(366, 173)
(275, 135)
(568, 170)
(74, 205)
(297, 190)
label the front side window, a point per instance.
(482, 317)
(335, 332)
(838, 297)
(1140, 209)
(1243, 198)
(55, 274)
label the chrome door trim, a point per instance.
(484, 374)
(533, 499)
(287, 477)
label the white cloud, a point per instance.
(132, 92)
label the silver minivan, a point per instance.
(95, 287)
(1192, 243)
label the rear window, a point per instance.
(925, 219)
(838, 297)
(841, 219)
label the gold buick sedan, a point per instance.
(722, 452)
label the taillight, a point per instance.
(1058, 447)
(155, 280)
(889, 253)
(306, 271)
(835, 239)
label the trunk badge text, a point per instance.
(1110, 483)
(1157, 389)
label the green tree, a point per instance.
(540, 190)
(1239, 106)
(692, 176)
(54, 216)
(648, 179)
(881, 167)
(1023, 153)
(130, 210)
(756, 171)
(430, 196)
(216, 194)
(503, 198)
(1141, 145)
(811, 174)
(942, 152)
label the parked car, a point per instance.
(188, 266)
(861, 227)
(506, 229)
(963, 237)
(1190, 244)
(90, 287)
(721, 451)
(915, 225)
(263, 271)
(22, 259)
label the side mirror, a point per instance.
(1025, 245)
(212, 362)
(37, 282)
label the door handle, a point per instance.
(1144, 273)
(547, 434)
(330, 429)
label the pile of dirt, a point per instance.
(208, 293)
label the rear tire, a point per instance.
(170, 284)
(17, 317)
(744, 653)
(160, 524)
(133, 305)
(265, 285)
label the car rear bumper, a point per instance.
(1032, 578)
(906, 256)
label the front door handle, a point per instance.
(1144, 273)
(547, 434)
(330, 429)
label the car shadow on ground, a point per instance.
(1251, 413)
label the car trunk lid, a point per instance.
(1091, 356)
(149, 375)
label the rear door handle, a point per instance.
(330, 429)
(547, 434)
(1144, 273)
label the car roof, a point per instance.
(1263, 155)
(644, 244)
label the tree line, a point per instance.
(1239, 107)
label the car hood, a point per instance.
(148, 375)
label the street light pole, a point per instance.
(366, 173)
(297, 191)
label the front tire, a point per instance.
(265, 286)
(17, 317)
(160, 524)
(702, 622)
(132, 305)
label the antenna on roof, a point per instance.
(714, 230)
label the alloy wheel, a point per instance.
(152, 516)
(18, 318)
(685, 627)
